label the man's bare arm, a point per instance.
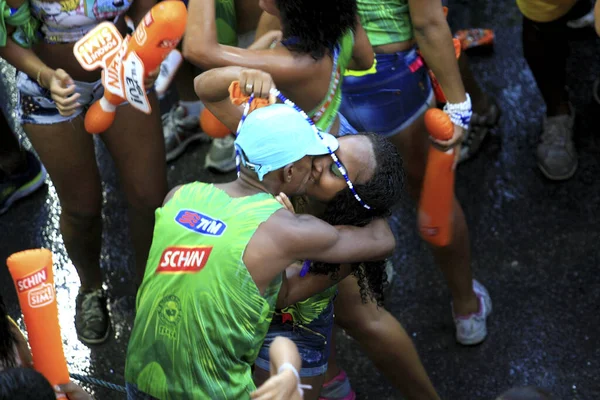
(297, 288)
(301, 237)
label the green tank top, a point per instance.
(325, 113)
(226, 19)
(304, 312)
(200, 319)
(385, 21)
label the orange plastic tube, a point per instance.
(437, 194)
(155, 36)
(212, 126)
(33, 277)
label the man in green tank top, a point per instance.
(216, 262)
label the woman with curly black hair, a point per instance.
(374, 166)
(307, 58)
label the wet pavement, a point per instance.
(534, 245)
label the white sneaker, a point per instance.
(472, 329)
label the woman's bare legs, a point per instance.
(67, 152)
(136, 144)
(455, 259)
(384, 340)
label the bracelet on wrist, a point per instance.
(288, 366)
(460, 113)
(40, 77)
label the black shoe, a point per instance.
(92, 322)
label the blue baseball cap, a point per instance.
(277, 135)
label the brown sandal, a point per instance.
(479, 127)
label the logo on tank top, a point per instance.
(183, 259)
(200, 223)
(169, 315)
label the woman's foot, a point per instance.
(472, 329)
(338, 388)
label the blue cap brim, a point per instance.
(320, 146)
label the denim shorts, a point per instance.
(313, 341)
(391, 98)
(133, 393)
(345, 127)
(35, 105)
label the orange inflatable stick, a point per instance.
(437, 89)
(215, 128)
(126, 66)
(438, 124)
(32, 274)
(437, 194)
(212, 126)
(238, 97)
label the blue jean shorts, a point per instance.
(313, 341)
(35, 105)
(390, 99)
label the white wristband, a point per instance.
(289, 366)
(460, 113)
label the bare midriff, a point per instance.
(60, 55)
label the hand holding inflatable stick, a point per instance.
(215, 128)
(437, 195)
(32, 274)
(126, 62)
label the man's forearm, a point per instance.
(213, 85)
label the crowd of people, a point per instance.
(237, 283)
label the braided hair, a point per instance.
(381, 193)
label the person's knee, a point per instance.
(361, 324)
(81, 219)
(85, 205)
(145, 197)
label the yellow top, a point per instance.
(545, 10)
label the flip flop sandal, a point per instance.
(479, 127)
(471, 38)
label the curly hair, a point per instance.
(381, 193)
(316, 25)
(7, 339)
